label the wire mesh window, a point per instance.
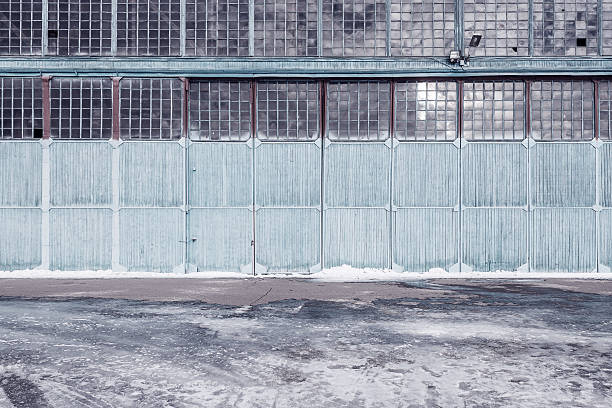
(217, 28)
(148, 27)
(21, 108)
(562, 110)
(494, 110)
(20, 27)
(219, 110)
(605, 110)
(287, 110)
(503, 25)
(422, 27)
(150, 109)
(79, 27)
(606, 27)
(285, 28)
(354, 28)
(564, 27)
(358, 110)
(81, 108)
(425, 110)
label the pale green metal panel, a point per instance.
(80, 238)
(151, 239)
(20, 245)
(288, 239)
(220, 174)
(357, 175)
(20, 174)
(605, 171)
(357, 237)
(151, 174)
(425, 174)
(220, 238)
(563, 240)
(288, 175)
(494, 238)
(81, 173)
(562, 175)
(494, 175)
(425, 238)
(605, 238)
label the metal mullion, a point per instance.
(388, 28)
(322, 128)
(596, 108)
(251, 39)
(320, 28)
(2, 108)
(391, 138)
(460, 138)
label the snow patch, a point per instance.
(344, 273)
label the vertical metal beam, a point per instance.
(596, 108)
(116, 132)
(530, 29)
(251, 28)
(391, 149)
(597, 168)
(114, 28)
(45, 26)
(459, 25)
(388, 28)
(185, 138)
(599, 27)
(183, 23)
(46, 107)
(320, 28)
(322, 130)
(253, 100)
(460, 138)
(528, 138)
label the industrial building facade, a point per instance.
(292, 135)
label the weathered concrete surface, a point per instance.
(442, 344)
(242, 292)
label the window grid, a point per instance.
(605, 110)
(21, 108)
(81, 108)
(148, 27)
(564, 27)
(150, 109)
(20, 27)
(425, 110)
(358, 111)
(285, 28)
(217, 28)
(562, 110)
(494, 110)
(354, 28)
(503, 24)
(287, 110)
(422, 27)
(79, 27)
(220, 110)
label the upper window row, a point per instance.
(303, 27)
(154, 109)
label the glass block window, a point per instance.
(606, 26)
(150, 109)
(287, 110)
(21, 108)
(564, 27)
(286, 28)
(148, 27)
(79, 27)
(425, 110)
(562, 110)
(354, 28)
(358, 110)
(605, 110)
(494, 110)
(422, 27)
(217, 28)
(20, 27)
(81, 108)
(220, 110)
(503, 25)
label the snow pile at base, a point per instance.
(343, 273)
